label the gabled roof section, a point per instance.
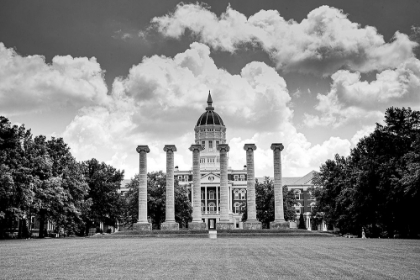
(305, 180)
(210, 178)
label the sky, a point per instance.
(110, 75)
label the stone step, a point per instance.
(220, 234)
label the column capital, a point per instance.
(196, 147)
(221, 147)
(169, 148)
(142, 148)
(253, 147)
(276, 146)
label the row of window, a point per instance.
(238, 207)
(209, 129)
(239, 177)
(299, 207)
(183, 178)
(209, 160)
(238, 194)
(299, 195)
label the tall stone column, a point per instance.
(197, 222)
(170, 223)
(142, 223)
(224, 222)
(279, 221)
(251, 222)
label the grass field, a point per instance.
(201, 258)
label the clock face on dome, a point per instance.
(211, 178)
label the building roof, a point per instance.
(290, 181)
(210, 117)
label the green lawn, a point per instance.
(202, 258)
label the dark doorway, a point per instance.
(212, 223)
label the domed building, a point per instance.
(210, 131)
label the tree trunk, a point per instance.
(41, 223)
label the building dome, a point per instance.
(210, 117)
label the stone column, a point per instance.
(279, 221)
(142, 223)
(170, 223)
(224, 222)
(251, 222)
(197, 223)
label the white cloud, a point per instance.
(160, 100)
(352, 99)
(365, 131)
(322, 43)
(28, 84)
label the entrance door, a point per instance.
(212, 224)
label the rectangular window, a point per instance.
(203, 143)
(202, 160)
(217, 143)
(235, 177)
(242, 177)
(210, 144)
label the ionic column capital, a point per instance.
(223, 147)
(276, 146)
(168, 148)
(253, 147)
(142, 148)
(197, 147)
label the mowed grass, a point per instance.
(202, 258)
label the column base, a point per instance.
(169, 226)
(142, 226)
(197, 226)
(225, 225)
(252, 225)
(279, 225)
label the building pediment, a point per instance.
(210, 178)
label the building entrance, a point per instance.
(212, 223)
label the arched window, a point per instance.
(203, 207)
(242, 194)
(298, 194)
(211, 195)
(298, 207)
(237, 208)
(212, 206)
(236, 194)
(313, 205)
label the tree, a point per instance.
(264, 198)
(16, 181)
(156, 201)
(376, 187)
(105, 202)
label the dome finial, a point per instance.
(209, 100)
(209, 103)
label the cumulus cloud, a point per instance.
(161, 99)
(322, 43)
(351, 98)
(365, 131)
(28, 83)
